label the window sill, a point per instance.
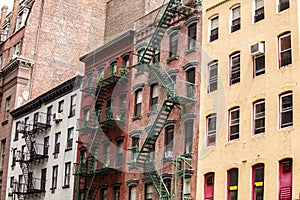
(5, 122)
(65, 186)
(172, 58)
(194, 49)
(139, 117)
(68, 149)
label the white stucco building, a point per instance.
(43, 145)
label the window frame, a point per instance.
(135, 147)
(60, 107)
(285, 178)
(149, 187)
(188, 136)
(7, 107)
(54, 177)
(280, 51)
(67, 177)
(212, 80)
(211, 133)
(281, 96)
(232, 187)
(119, 153)
(285, 5)
(213, 32)
(131, 189)
(230, 123)
(154, 97)
(235, 68)
(192, 36)
(258, 13)
(169, 138)
(256, 117)
(70, 137)
(138, 104)
(257, 183)
(235, 23)
(173, 45)
(72, 111)
(57, 143)
(260, 71)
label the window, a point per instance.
(211, 126)
(43, 178)
(132, 193)
(19, 22)
(49, 115)
(46, 145)
(18, 128)
(103, 194)
(140, 53)
(190, 76)
(138, 102)
(232, 182)
(57, 142)
(214, 28)
(7, 108)
(259, 12)
(154, 97)
(236, 18)
(21, 183)
(113, 68)
(26, 124)
(23, 151)
(61, 106)
(168, 184)
(135, 147)
(89, 80)
(11, 183)
(285, 179)
(148, 191)
(212, 77)
(259, 65)
(188, 136)
(173, 45)
(35, 120)
(192, 33)
(285, 50)
(234, 68)
(186, 188)
(14, 157)
(67, 173)
(234, 123)
(119, 153)
(258, 182)
(259, 117)
(70, 138)
(125, 61)
(73, 105)
(286, 110)
(283, 5)
(16, 50)
(116, 193)
(4, 33)
(54, 176)
(106, 154)
(3, 144)
(209, 186)
(169, 135)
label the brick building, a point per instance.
(41, 42)
(165, 108)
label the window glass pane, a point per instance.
(285, 43)
(155, 91)
(133, 193)
(139, 97)
(236, 13)
(214, 23)
(259, 4)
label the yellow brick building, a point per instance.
(250, 91)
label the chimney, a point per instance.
(14, 17)
(3, 16)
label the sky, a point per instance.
(8, 3)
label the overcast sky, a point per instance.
(8, 3)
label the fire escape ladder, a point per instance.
(157, 181)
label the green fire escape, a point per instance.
(144, 154)
(93, 127)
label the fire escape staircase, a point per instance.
(144, 155)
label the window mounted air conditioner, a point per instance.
(257, 49)
(169, 154)
(57, 117)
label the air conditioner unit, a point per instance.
(169, 154)
(57, 117)
(257, 49)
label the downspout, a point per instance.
(36, 48)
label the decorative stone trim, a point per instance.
(132, 182)
(135, 133)
(138, 86)
(187, 173)
(167, 176)
(172, 30)
(189, 65)
(188, 116)
(191, 20)
(170, 122)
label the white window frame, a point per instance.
(213, 132)
(213, 79)
(232, 56)
(288, 34)
(254, 66)
(254, 9)
(210, 27)
(231, 123)
(258, 116)
(286, 110)
(232, 17)
(278, 6)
